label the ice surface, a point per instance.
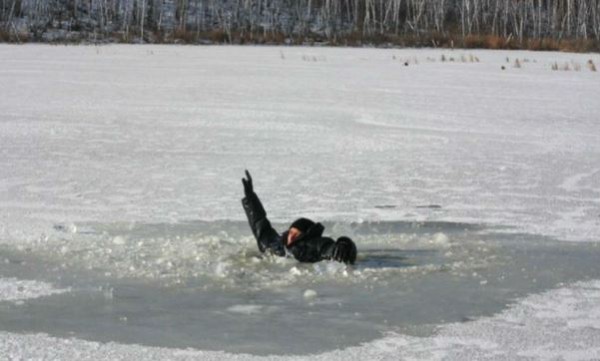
(161, 134)
(101, 144)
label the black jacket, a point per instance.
(311, 246)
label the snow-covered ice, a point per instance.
(124, 163)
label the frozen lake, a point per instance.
(470, 184)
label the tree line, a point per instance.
(418, 22)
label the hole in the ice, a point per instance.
(204, 284)
(392, 258)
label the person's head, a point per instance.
(298, 227)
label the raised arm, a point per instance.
(266, 237)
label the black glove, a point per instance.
(248, 189)
(344, 250)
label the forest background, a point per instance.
(569, 25)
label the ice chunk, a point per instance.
(441, 240)
(119, 240)
(12, 289)
(310, 294)
(245, 309)
(295, 271)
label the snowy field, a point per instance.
(469, 179)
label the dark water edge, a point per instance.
(408, 290)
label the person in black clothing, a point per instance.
(304, 239)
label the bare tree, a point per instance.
(522, 19)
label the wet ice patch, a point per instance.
(15, 290)
(537, 327)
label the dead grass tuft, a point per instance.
(517, 64)
(591, 65)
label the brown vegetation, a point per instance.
(219, 36)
